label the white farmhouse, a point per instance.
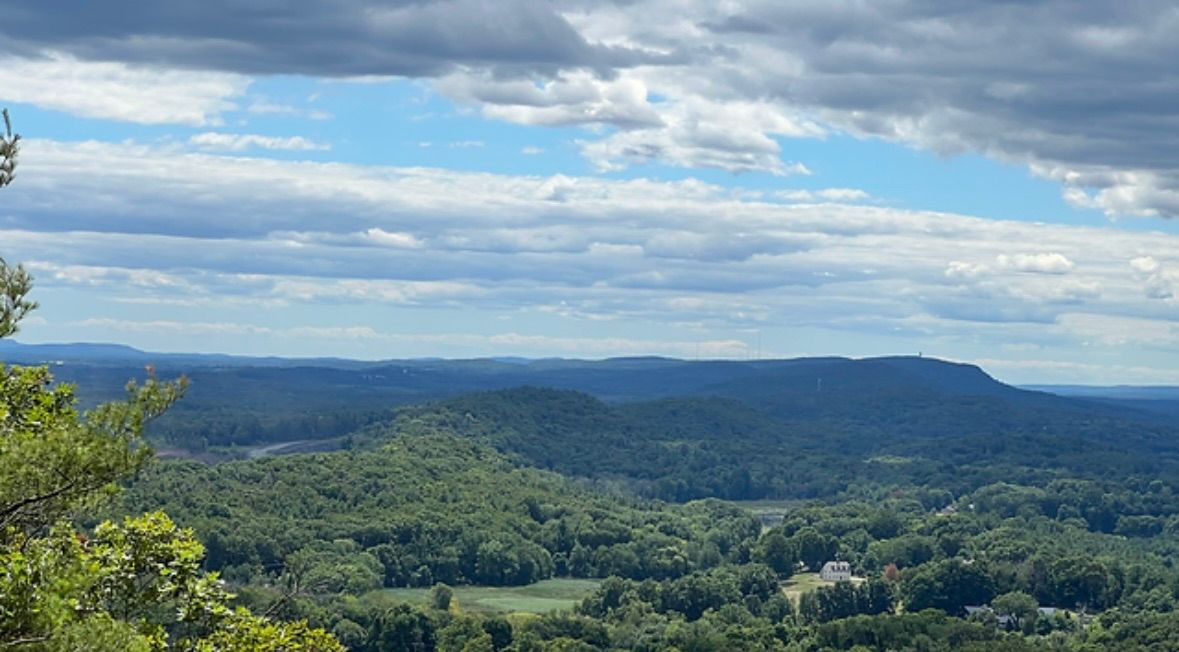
(835, 571)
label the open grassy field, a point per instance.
(803, 582)
(542, 597)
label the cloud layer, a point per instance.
(117, 91)
(347, 38)
(200, 219)
(169, 228)
(1083, 95)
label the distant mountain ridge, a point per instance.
(836, 372)
(12, 351)
(612, 379)
(956, 377)
(18, 352)
(241, 400)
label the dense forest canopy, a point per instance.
(1067, 533)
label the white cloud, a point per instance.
(1133, 192)
(965, 271)
(82, 275)
(1158, 282)
(695, 133)
(196, 328)
(391, 239)
(351, 290)
(212, 140)
(1118, 330)
(824, 194)
(687, 131)
(617, 346)
(332, 332)
(577, 97)
(1144, 264)
(1041, 263)
(171, 326)
(1072, 372)
(117, 91)
(502, 343)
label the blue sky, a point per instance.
(994, 185)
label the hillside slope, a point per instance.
(693, 447)
(424, 509)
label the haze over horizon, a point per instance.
(993, 184)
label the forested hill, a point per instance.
(692, 447)
(1076, 525)
(424, 509)
(244, 401)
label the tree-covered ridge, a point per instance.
(241, 402)
(425, 509)
(686, 448)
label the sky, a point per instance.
(987, 182)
